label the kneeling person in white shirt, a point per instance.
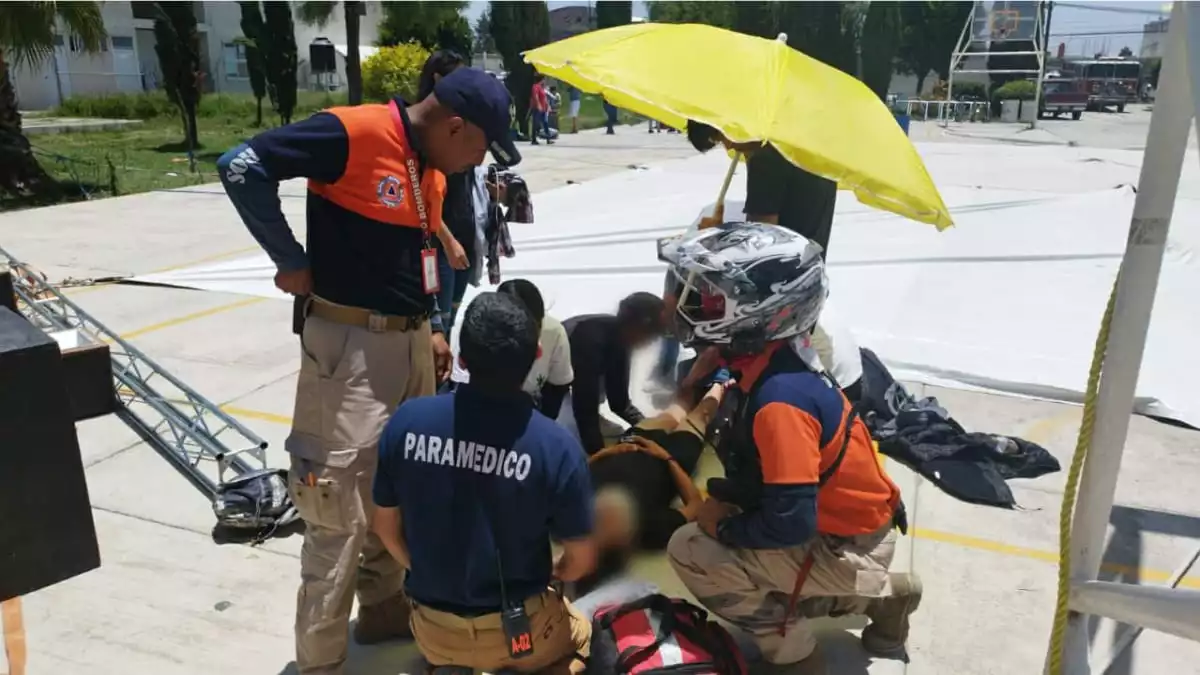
(550, 378)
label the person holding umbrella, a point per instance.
(777, 191)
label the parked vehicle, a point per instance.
(1061, 96)
(1110, 81)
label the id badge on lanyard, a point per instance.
(430, 283)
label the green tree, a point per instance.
(929, 33)
(27, 32)
(394, 71)
(517, 27)
(177, 43)
(611, 13)
(252, 30)
(1125, 52)
(483, 33)
(433, 25)
(826, 31)
(716, 13)
(279, 54)
(318, 13)
(879, 41)
(823, 31)
(756, 18)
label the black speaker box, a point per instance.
(46, 530)
(8, 295)
(321, 57)
(89, 376)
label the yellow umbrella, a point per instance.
(754, 89)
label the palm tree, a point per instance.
(316, 13)
(27, 31)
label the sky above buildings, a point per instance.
(1085, 27)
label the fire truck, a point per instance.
(1110, 81)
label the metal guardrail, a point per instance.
(957, 111)
(182, 425)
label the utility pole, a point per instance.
(1046, 38)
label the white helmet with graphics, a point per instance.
(742, 285)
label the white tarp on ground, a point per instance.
(1009, 300)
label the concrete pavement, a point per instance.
(168, 601)
(40, 124)
(1108, 130)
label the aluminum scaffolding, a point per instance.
(994, 23)
(1163, 608)
(183, 426)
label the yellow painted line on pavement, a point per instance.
(190, 317)
(1143, 574)
(1042, 430)
(257, 414)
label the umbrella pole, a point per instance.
(718, 214)
(719, 209)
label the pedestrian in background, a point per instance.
(471, 488)
(371, 337)
(574, 98)
(777, 191)
(539, 111)
(610, 117)
(555, 100)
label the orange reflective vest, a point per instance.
(376, 183)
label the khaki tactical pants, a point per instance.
(751, 589)
(559, 632)
(351, 381)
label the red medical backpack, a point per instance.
(657, 635)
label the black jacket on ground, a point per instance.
(971, 467)
(601, 364)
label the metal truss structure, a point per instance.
(183, 426)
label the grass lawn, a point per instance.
(152, 156)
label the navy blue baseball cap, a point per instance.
(482, 100)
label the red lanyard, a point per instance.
(414, 175)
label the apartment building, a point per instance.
(128, 63)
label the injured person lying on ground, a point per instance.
(638, 479)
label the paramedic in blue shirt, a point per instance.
(470, 489)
